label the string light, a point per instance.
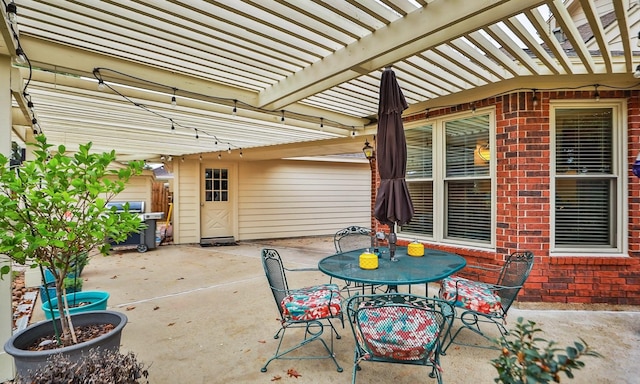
(174, 102)
(12, 13)
(353, 132)
(240, 152)
(20, 58)
(322, 121)
(229, 150)
(534, 99)
(200, 157)
(101, 86)
(197, 137)
(473, 107)
(235, 108)
(597, 94)
(282, 118)
(636, 74)
(219, 156)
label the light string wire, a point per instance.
(233, 103)
(37, 129)
(174, 122)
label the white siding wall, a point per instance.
(138, 188)
(290, 198)
(186, 205)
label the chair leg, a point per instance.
(471, 321)
(313, 331)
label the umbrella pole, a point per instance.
(392, 242)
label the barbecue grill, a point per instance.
(146, 239)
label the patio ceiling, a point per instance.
(315, 63)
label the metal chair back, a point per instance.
(274, 269)
(351, 238)
(514, 273)
(399, 328)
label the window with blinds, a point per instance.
(419, 178)
(454, 180)
(585, 182)
(468, 182)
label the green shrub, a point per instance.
(524, 361)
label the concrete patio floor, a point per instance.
(206, 315)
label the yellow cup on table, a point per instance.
(415, 249)
(368, 260)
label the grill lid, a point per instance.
(134, 206)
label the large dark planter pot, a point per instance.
(90, 300)
(27, 361)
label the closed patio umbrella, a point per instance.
(393, 202)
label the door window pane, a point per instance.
(216, 184)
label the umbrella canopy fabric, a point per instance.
(393, 202)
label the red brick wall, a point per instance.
(524, 203)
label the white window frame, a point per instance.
(438, 179)
(619, 169)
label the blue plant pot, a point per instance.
(52, 291)
(78, 302)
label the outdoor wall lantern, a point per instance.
(636, 166)
(367, 150)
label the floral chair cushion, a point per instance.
(398, 333)
(473, 295)
(312, 303)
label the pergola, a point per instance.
(284, 78)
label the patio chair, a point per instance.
(352, 238)
(309, 308)
(399, 328)
(477, 302)
(349, 239)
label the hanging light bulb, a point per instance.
(534, 99)
(20, 58)
(101, 85)
(173, 128)
(174, 101)
(229, 150)
(597, 94)
(219, 156)
(636, 74)
(282, 118)
(197, 137)
(235, 108)
(12, 13)
(322, 122)
(426, 114)
(240, 152)
(200, 157)
(473, 108)
(353, 132)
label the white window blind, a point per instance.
(585, 186)
(420, 179)
(468, 182)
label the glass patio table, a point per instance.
(433, 266)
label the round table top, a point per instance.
(433, 266)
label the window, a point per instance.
(587, 181)
(216, 184)
(451, 185)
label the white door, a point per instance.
(217, 196)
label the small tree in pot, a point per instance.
(53, 208)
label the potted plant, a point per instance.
(53, 213)
(98, 367)
(524, 360)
